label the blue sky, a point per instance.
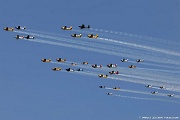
(29, 89)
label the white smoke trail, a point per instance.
(159, 70)
(134, 36)
(150, 79)
(141, 46)
(154, 99)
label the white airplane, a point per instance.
(29, 37)
(19, 37)
(112, 65)
(20, 28)
(148, 86)
(76, 35)
(124, 60)
(155, 92)
(70, 70)
(139, 60)
(162, 87)
(96, 66)
(109, 93)
(170, 95)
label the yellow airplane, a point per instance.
(92, 36)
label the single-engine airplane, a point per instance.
(56, 69)
(8, 29)
(29, 37)
(92, 36)
(76, 35)
(83, 26)
(19, 37)
(20, 28)
(45, 60)
(66, 28)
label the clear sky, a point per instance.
(30, 90)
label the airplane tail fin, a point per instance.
(88, 26)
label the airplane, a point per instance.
(84, 63)
(148, 86)
(20, 28)
(116, 88)
(170, 95)
(77, 36)
(132, 66)
(66, 28)
(92, 36)
(162, 87)
(83, 26)
(46, 60)
(19, 37)
(103, 76)
(139, 60)
(109, 93)
(155, 92)
(102, 86)
(114, 72)
(70, 70)
(8, 29)
(61, 60)
(29, 37)
(80, 69)
(96, 66)
(124, 60)
(112, 65)
(73, 64)
(56, 69)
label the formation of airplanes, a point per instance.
(79, 35)
(63, 28)
(156, 92)
(85, 62)
(18, 36)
